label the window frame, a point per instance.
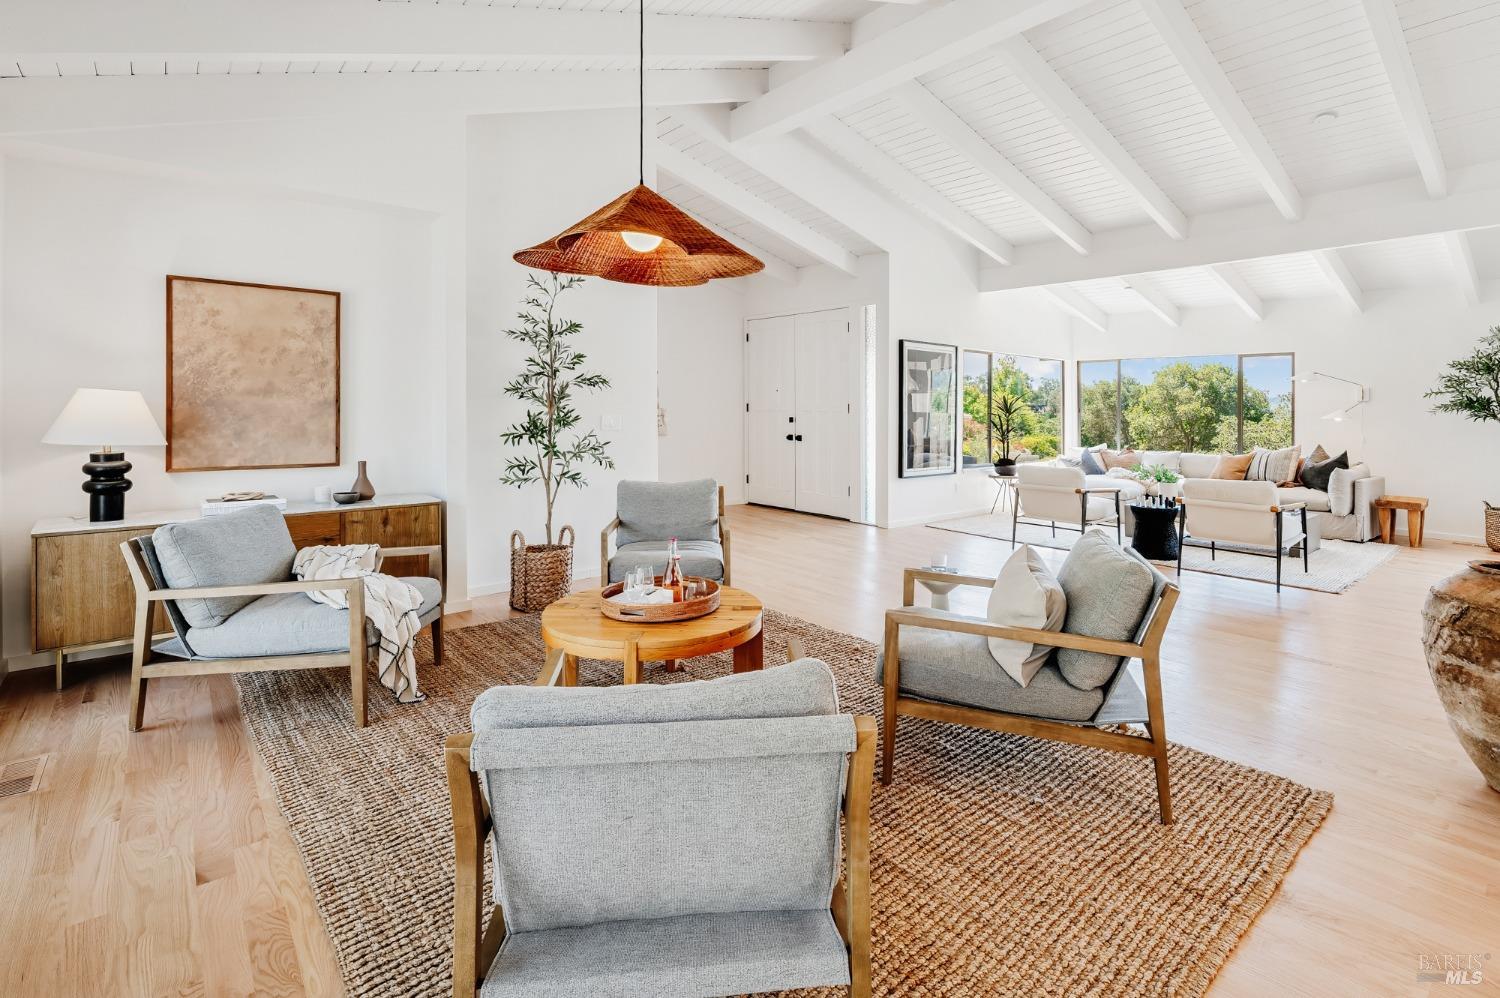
(1239, 404)
(989, 381)
(1062, 401)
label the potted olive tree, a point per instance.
(1471, 388)
(540, 574)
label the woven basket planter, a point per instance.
(1492, 526)
(540, 574)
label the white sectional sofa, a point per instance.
(1345, 512)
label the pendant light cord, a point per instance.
(643, 94)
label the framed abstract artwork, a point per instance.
(929, 400)
(252, 376)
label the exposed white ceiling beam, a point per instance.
(794, 163)
(1176, 27)
(1463, 265)
(1156, 302)
(734, 197)
(933, 114)
(775, 267)
(865, 155)
(931, 40)
(1390, 41)
(1339, 279)
(72, 104)
(1049, 88)
(1077, 305)
(290, 30)
(1393, 209)
(1239, 291)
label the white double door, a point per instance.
(801, 380)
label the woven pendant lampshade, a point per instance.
(688, 254)
(640, 237)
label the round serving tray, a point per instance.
(658, 613)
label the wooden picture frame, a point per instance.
(246, 355)
(929, 392)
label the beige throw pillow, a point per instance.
(1231, 467)
(1026, 594)
(1120, 459)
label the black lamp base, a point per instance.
(107, 486)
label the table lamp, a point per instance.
(92, 416)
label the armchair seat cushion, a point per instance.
(292, 624)
(701, 558)
(682, 957)
(958, 668)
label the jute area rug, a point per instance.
(1332, 568)
(1001, 865)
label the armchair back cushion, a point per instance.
(245, 547)
(1048, 492)
(655, 511)
(1109, 590)
(1231, 512)
(649, 802)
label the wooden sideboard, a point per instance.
(82, 598)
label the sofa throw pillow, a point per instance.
(1272, 465)
(1026, 594)
(1318, 454)
(1315, 474)
(1091, 463)
(1108, 589)
(1231, 467)
(1169, 459)
(1121, 459)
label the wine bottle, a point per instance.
(672, 578)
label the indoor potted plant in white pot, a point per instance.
(540, 574)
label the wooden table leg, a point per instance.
(1414, 524)
(1387, 524)
(673, 665)
(60, 659)
(632, 662)
(749, 657)
(569, 670)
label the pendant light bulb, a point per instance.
(641, 242)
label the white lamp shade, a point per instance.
(105, 417)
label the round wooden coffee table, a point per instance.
(575, 627)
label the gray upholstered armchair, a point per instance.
(226, 584)
(937, 665)
(648, 514)
(677, 840)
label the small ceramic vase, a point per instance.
(362, 484)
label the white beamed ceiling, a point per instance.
(789, 10)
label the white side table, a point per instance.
(939, 590)
(1005, 491)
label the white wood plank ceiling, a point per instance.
(1039, 131)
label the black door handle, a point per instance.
(791, 419)
(799, 438)
(789, 436)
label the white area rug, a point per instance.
(1334, 567)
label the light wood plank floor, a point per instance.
(158, 864)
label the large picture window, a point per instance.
(1229, 402)
(1011, 401)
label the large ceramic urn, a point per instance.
(1462, 634)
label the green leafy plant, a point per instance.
(1155, 473)
(546, 383)
(1471, 386)
(1008, 413)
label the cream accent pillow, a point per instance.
(1026, 594)
(1120, 459)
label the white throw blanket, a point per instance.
(393, 606)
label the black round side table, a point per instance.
(1156, 536)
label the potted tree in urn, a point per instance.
(1471, 388)
(540, 574)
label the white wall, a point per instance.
(700, 370)
(530, 176)
(1398, 346)
(84, 263)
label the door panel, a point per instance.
(770, 458)
(825, 365)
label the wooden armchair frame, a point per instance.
(145, 666)
(614, 525)
(1081, 733)
(475, 944)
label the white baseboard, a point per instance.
(922, 521)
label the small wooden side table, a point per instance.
(575, 627)
(1416, 513)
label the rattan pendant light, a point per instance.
(640, 237)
